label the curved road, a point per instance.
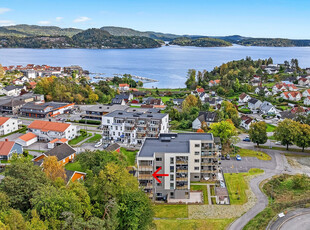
(282, 166)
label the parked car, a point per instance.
(222, 157)
(238, 157)
(106, 146)
(278, 143)
(227, 157)
(98, 144)
(247, 139)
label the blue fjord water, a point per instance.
(168, 64)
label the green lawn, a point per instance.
(269, 85)
(251, 153)
(171, 211)
(197, 224)
(237, 185)
(78, 139)
(284, 149)
(202, 188)
(130, 155)
(94, 138)
(75, 166)
(165, 99)
(270, 128)
(29, 157)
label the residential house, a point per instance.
(8, 125)
(214, 83)
(72, 176)
(63, 152)
(278, 88)
(267, 108)
(244, 98)
(113, 148)
(306, 93)
(116, 101)
(12, 90)
(56, 142)
(291, 96)
(44, 110)
(185, 157)
(200, 90)
(307, 100)
(292, 87)
(47, 130)
(123, 87)
(246, 122)
(254, 104)
(27, 139)
(153, 101)
(303, 82)
(133, 127)
(264, 89)
(208, 117)
(271, 68)
(8, 148)
(203, 96)
(177, 101)
(123, 96)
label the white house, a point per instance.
(291, 96)
(254, 104)
(123, 87)
(265, 89)
(303, 81)
(306, 93)
(292, 88)
(47, 130)
(27, 139)
(307, 100)
(244, 98)
(246, 121)
(214, 83)
(8, 125)
(267, 108)
(278, 88)
(12, 90)
(208, 117)
(203, 96)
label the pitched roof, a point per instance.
(207, 116)
(253, 101)
(61, 151)
(3, 120)
(5, 147)
(28, 136)
(113, 147)
(49, 126)
(242, 96)
(123, 85)
(200, 90)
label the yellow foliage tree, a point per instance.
(53, 169)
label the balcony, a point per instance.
(182, 170)
(208, 170)
(145, 168)
(141, 124)
(182, 162)
(145, 177)
(182, 187)
(208, 163)
(129, 124)
(182, 179)
(154, 125)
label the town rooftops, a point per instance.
(12, 87)
(242, 96)
(124, 114)
(171, 143)
(200, 90)
(253, 101)
(61, 151)
(107, 108)
(48, 126)
(5, 147)
(3, 120)
(28, 136)
(42, 106)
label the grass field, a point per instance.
(75, 166)
(94, 138)
(78, 139)
(237, 185)
(130, 155)
(284, 149)
(270, 128)
(202, 188)
(171, 211)
(29, 157)
(251, 153)
(197, 224)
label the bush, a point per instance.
(90, 122)
(25, 153)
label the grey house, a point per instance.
(208, 117)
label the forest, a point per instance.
(200, 42)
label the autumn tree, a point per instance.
(286, 132)
(53, 169)
(189, 102)
(224, 130)
(258, 133)
(303, 139)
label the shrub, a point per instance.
(90, 122)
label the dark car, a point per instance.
(227, 157)
(222, 157)
(247, 139)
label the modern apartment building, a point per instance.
(133, 127)
(185, 157)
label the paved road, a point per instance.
(297, 219)
(282, 166)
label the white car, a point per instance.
(98, 144)
(278, 143)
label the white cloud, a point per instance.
(6, 23)
(44, 22)
(4, 10)
(59, 19)
(81, 19)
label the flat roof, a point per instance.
(124, 114)
(171, 143)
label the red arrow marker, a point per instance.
(155, 175)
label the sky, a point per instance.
(277, 18)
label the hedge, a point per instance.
(90, 122)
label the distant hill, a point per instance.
(200, 42)
(273, 42)
(34, 30)
(6, 32)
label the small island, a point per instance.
(200, 42)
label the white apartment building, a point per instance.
(133, 127)
(185, 157)
(8, 125)
(47, 130)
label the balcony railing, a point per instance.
(182, 187)
(145, 177)
(145, 168)
(208, 170)
(182, 162)
(208, 163)
(182, 179)
(182, 170)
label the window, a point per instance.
(159, 184)
(171, 160)
(157, 167)
(196, 160)
(171, 177)
(159, 194)
(171, 185)
(197, 145)
(196, 168)
(171, 193)
(159, 159)
(196, 153)
(108, 121)
(196, 177)
(171, 169)
(116, 128)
